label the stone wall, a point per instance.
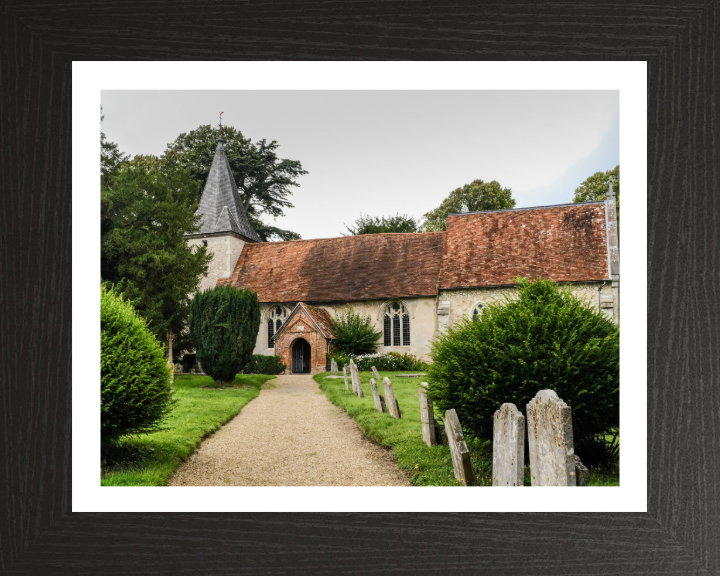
(423, 323)
(462, 301)
(429, 314)
(226, 249)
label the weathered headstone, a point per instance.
(345, 371)
(459, 450)
(582, 474)
(508, 447)
(356, 381)
(390, 400)
(376, 395)
(376, 374)
(427, 417)
(550, 439)
(333, 367)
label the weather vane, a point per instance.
(221, 113)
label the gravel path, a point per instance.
(290, 435)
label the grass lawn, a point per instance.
(150, 459)
(427, 465)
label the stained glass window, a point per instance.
(271, 333)
(406, 330)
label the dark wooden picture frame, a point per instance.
(680, 533)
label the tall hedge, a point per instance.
(224, 323)
(134, 374)
(545, 338)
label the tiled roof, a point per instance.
(220, 205)
(362, 267)
(320, 317)
(567, 243)
(323, 320)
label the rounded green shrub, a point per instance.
(545, 338)
(134, 374)
(354, 333)
(224, 323)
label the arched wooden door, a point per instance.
(301, 357)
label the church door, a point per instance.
(301, 357)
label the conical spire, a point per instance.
(220, 205)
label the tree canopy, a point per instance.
(473, 197)
(146, 207)
(111, 159)
(379, 225)
(595, 187)
(264, 180)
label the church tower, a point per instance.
(224, 227)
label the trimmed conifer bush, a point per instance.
(544, 338)
(224, 323)
(134, 374)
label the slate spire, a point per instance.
(220, 205)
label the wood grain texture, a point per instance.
(680, 533)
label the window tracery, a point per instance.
(275, 319)
(396, 324)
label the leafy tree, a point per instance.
(224, 322)
(134, 374)
(545, 338)
(111, 159)
(379, 225)
(354, 333)
(264, 181)
(145, 210)
(595, 187)
(473, 197)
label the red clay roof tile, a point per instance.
(567, 243)
(362, 267)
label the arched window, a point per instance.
(275, 319)
(396, 324)
(477, 312)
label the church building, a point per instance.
(412, 285)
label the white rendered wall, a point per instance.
(226, 250)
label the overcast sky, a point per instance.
(387, 152)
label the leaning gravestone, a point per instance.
(356, 381)
(333, 367)
(376, 374)
(345, 371)
(582, 474)
(508, 447)
(459, 450)
(392, 404)
(427, 417)
(550, 439)
(376, 396)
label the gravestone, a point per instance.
(379, 404)
(376, 374)
(508, 447)
(582, 474)
(427, 417)
(459, 450)
(333, 367)
(357, 387)
(345, 371)
(550, 439)
(390, 400)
